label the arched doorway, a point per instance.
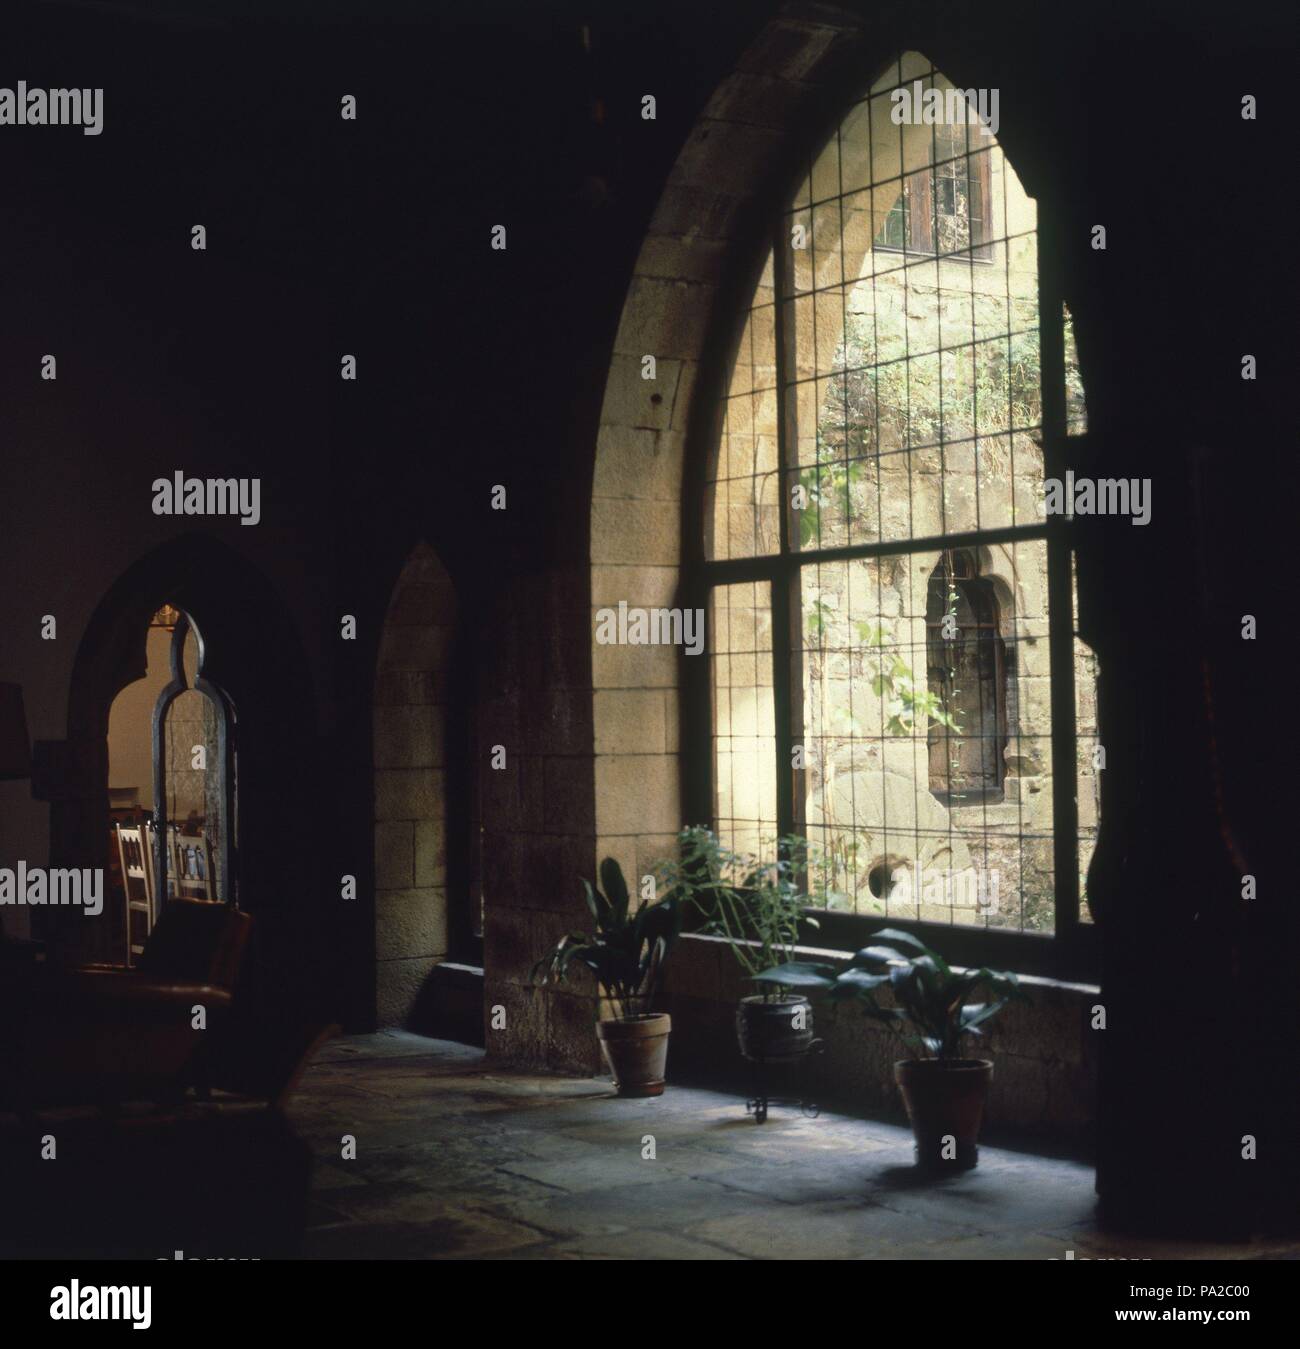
(967, 675)
(250, 658)
(171, 783)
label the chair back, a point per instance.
(192, 863)
(136, 860)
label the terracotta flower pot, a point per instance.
(771, 1030)
(945, 1102)
(635, 1049)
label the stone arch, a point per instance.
(256, 655)
(686, 306)
(412, 700)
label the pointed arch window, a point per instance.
(897, 398)
(195, 816)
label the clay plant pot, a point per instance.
(945, 1102)
(635, 1049)
(772, 1030)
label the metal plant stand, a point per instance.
(758, 1103)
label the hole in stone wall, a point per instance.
(881, 879)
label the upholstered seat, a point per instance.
(99, 1034)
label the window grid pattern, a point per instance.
(891, 403)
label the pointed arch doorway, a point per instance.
(428, 906)
(252, 662)
(172, 784)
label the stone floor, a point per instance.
(456, 1159)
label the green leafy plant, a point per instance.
(756, 905)
(932, 1012)
(627, 948)
(897, 686)
(831, 484)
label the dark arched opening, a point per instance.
(966, 663)
(254, 660)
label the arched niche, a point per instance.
(417, 772)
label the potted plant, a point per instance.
(757, 908)
(943, 1091)
(626, 951)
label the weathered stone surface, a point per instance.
(408, 688)
(630, 721)
(571, 1028)
(430, 852)
(638, 463)
(394, 854)
(568, 791)
(664, 318)
(410, 923)
(637, 793)
(407, 793)
(398, 983)
(412, 647)
(634, 667)
(516, 793)
(695, 968)
(515, 939)
(460, 1160)
(649, 850)
(409, 737)
(689, 259)
(427, 603)
(522, 1011)
(631, 401)
(791, 49)
(558, 721)
(757, 100)
(697, 212)
(631, 532)
(636, 584)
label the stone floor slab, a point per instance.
(458, 1158)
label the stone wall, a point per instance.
(681, 311)
(538, 814)
(1044, 1054)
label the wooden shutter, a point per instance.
(920, 212)
(968, 674)
(980, 195)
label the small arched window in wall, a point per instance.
(902, 389)
(966, 671)
(948, 205)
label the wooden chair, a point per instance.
(134, 851)
(189, 864)
(103, 1034)
(192, 862)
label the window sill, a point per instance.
(837, 956)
